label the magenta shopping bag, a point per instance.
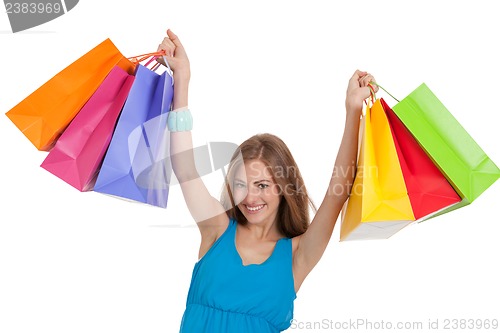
(79, 151)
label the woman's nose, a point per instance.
(252, 193)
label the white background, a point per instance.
(86, 262)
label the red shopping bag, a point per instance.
(428, 189)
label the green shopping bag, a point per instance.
(466, 166)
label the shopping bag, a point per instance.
(378, 205)
(428, 189)
(136, 165)
(45, 113)
(79, 151)
(466, 166)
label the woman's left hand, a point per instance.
(358, 90)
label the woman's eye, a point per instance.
(263, 186)
(239, 185)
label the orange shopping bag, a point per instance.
(44, 114)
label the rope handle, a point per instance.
(142, 57)
(378, 85)
(150, 57)
(370, 100)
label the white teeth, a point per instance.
(253, 209)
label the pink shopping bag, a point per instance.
(79, 151)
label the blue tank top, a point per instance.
(226, 296)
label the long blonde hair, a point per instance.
(293, 211)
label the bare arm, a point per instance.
(206, 210)
(312, 244)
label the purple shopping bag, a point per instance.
(79, 151)
(136, 165)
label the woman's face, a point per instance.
(256, 193)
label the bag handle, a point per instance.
(378, 85)
(371, 100)
(141, 57)
(150, 57)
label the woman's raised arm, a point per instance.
(312, 244)
(206, 210)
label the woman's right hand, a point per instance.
(176, 56)
(179, 63)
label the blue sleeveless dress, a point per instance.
(227, 297)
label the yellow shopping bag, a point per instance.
(379, 205)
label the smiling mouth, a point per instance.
(254, 209)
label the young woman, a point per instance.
(257, 243)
